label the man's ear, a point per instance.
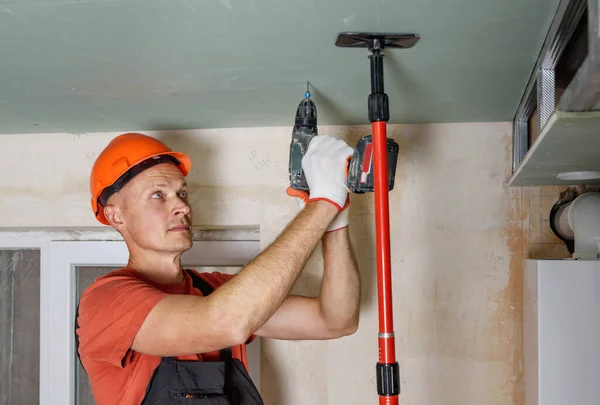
(114, 216)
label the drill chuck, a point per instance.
(306, 117)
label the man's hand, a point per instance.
(316, 157)
(325, 167)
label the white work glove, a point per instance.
(340, 221)
(325, 166)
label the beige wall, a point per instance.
(458, 237)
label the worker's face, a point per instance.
(152, 211)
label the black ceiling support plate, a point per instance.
(368, 39)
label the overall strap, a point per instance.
(200, 284)
(77, 337)
(206, 289)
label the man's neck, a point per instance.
(162, 268)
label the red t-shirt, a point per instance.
(111, 311)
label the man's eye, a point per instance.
(158, 194)
(183, 194)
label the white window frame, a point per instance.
(62, 251)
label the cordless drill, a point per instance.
(360, 167)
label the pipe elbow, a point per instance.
(584, 219)
(580, 219)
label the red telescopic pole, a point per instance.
(388, 373)
(388, 385)
(387, 345)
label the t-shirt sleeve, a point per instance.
(110, 314)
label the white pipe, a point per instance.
(561, 222)
(584, 220)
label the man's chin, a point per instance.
(177, 248)
(180, 242)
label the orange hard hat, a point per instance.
(123, 158)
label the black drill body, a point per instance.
(305, 128)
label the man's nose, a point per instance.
(181, 207)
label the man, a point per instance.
(155, 333)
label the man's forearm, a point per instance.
(340, 290)
(254, 294)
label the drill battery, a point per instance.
(360, 168)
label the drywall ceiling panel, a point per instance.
(102, 65)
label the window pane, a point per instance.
(19, 327)
(85, 277)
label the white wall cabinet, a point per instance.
(561, 332)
